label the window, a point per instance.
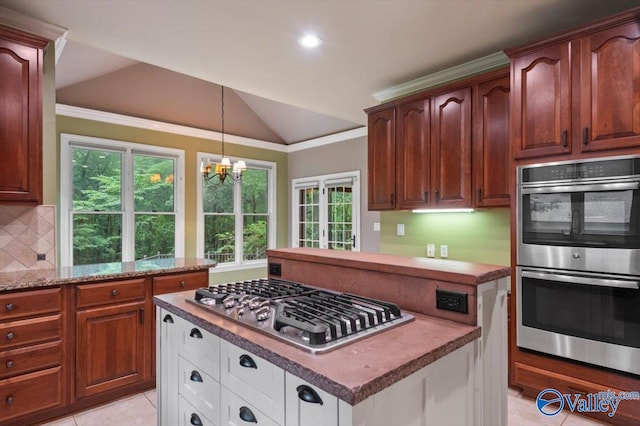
(120, 201)
(326, 211)
(236, 220)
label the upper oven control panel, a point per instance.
(579, 170)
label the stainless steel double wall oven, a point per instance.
(578, 260)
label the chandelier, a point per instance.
(223, 169)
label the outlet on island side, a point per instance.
(275, 269)
(41, 256)
(452, 301)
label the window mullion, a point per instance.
(239, 222)
(324, 228)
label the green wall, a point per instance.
(482, 236)
(191, 146)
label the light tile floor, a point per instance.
(140, 410)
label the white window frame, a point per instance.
(128, 149)
(239, 264)
(322, 182)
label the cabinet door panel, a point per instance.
(541, 104)
(451, 147)
(412, 144)
(109, 347)
(610, 85)
(491, 144)
(382, 160)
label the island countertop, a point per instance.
(353, 372)
(35, 278)
(419, 267)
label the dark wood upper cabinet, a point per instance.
(451, 149)
(414, 158)
(21, 65)
(541, 102)
(382, 160)
(491, 159)
(610, 88)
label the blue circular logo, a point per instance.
(546, 401)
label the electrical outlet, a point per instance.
(431, 250)
(400, 230)
(41, 256)
(444, 252)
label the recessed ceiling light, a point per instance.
(309, 41)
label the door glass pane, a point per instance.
(153, 184)
(219, 238)
(155, 236)
(309, 217)
(339, 214)
(96, 184)
(255, 191)
(97, 238)
(255, 237)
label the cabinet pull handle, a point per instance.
(195, 377)
(426, 196)
(563, 138)
(168, 318)
(183, 284)
(114, 292)
(307, 394)
(585, 135)
(392, 199)
(10, 335)
(479, 193)
(247, 415)
(9, 306)
(141, 315)
(195, 333)
(9, 400)
(437, 196)
(247, 362)
(9, 364)
(195, 420)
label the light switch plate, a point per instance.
(444, 252)
(400, 230)
(431, 250)
(376, 226)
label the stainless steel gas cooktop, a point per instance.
(316, 320)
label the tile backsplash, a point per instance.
(26, 232)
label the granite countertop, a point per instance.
(421, 267)
(353, 372)
(34, 278)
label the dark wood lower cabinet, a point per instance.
(110, 347)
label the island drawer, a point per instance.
(189, 415)
(30, 331)
(256, 379)
(30, 392)
(200, 347)
(28, 303)
(110, 292)
(201, 390)
(30, 358)
(236, 411)
(180, 282)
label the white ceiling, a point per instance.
(251, 45)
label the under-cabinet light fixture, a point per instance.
(442, 211)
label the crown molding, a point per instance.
(477, 66)
(329, 139)
(12, 19)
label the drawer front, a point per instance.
(256, 379)
(31, 358)
(237, 411)
(189, 415)
(200, 389)
(30, 393)
(180, 282)
(110, 292)
(30, 331)
(28, 303)
(200, 348)
(307, 404)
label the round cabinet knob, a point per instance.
(114, 292)
(183, 284)
(10, 335)
(9, 364)
(9, 400)
(9, 306)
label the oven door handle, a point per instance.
(613, 186)
(574, 279)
